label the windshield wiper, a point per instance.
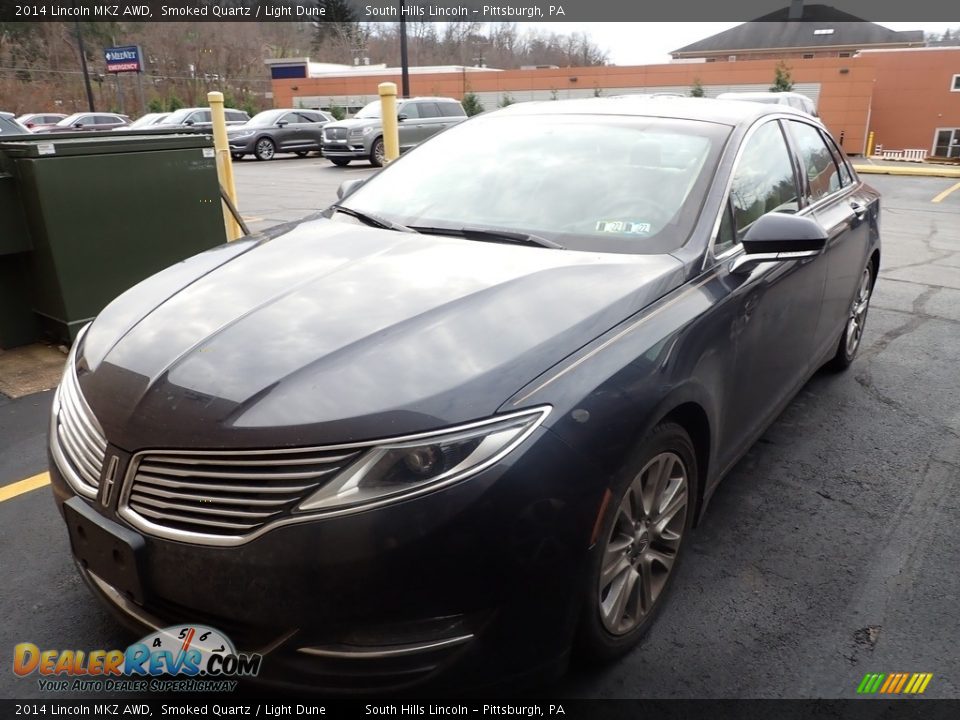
(491, 234)
(373, 220)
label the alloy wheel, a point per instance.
(858, 313)
(379, 153)
(265, 149)
(643, 543)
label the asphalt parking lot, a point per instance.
(830, 551)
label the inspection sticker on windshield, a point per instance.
(46, 149)
(622, 226)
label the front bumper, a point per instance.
(475, 582)
(352, 148)
(242, 145)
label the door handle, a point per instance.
(859, 209)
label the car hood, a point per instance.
(334, 332)
(353, 123)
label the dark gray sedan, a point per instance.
(466, 419)
(286, 130)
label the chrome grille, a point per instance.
(223, 494)
(79, 437)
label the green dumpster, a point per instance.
(102, 212)
(17, 326)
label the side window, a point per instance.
(823, 177)
(410, 110)
(726, 237)
(236, 116)
(308, 117)
(452, 109)
(763, 181)
(846, 177)
(429, 110)
(290, 118)
(202, 117)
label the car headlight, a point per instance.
(240, 135)
(406, 467)
(367, 130)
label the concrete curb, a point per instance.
(925, 171)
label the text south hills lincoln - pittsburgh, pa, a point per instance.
(428, 11)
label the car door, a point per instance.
(772, 309)
(841, 208)
(288, 131)
(431, 120)
(409, 128)
(312, 129)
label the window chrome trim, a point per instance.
(137, 521)
(709, 259)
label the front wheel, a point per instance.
(264, 149)
(301, 153)
(647, 515)
(237, 156)
(340, 162)
(377, 153)
(856, 321)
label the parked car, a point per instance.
(474, 422)
(361, 137)
(147, 121)
(88, 121)
(792, 99)
(33, 121)
(10, 126)
(284, 130)
(199, 118)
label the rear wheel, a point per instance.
(237, 156)
(377, 153)
(647, 516)
(856, 321)
(340, 162)
(264, 149)
(301, 153)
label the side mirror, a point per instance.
(281, 123)
(778, 237)
(347, 187)
(188, 122)
(78, 124)
(401, 117)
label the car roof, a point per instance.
(724, 112)
(429, 99)
(6, 114)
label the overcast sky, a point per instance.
(649, 43)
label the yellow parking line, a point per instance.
(8, 492)
(941, 196)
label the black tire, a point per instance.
(301, 153)
(377, 153)
(264, 149)
(595, 641)
(237, 156)
(340, 162)
(852, 337)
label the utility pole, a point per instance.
(83, 66)
(404, 64)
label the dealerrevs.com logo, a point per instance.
(190, 658)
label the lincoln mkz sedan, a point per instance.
(458, 427)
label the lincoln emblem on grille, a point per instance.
(109, 480)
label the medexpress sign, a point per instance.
(123, 59)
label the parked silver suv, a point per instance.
(361, 137)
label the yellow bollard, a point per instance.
(870, 144)
(224, 163)
(388, 112)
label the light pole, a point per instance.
(83, 66)
(404, 64)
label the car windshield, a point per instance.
(265, 118)
(587, 182)
(177, 118)
(146, 121)
(70, 119)
(369, 111)
(8, 126)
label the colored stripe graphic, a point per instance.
(894, 683)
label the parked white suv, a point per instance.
(794, 100)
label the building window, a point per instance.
(711, 59)
(955, 84)
(845, 54)
(808, 56)
(731, 58)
